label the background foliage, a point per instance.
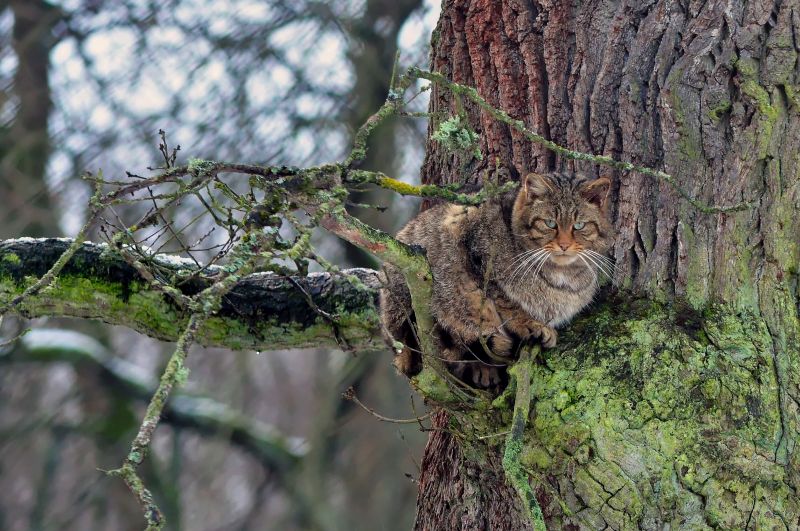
(86, 85)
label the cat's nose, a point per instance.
(564, 246)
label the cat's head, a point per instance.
(565, 215)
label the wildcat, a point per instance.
(510, 270)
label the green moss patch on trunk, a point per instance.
(649, 414)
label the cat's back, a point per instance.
(439, 224)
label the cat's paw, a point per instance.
(501, 344)
(477, 374)
(548, 336)
(538, 332)
(485, 376)
(534, 331)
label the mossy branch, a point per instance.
(435, 381)
(152, 514)
(296, 180)
(515, 473)
(447, 193)
(264, 311)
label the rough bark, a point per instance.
(263, 312)
(678, 406)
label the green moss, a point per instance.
(768, 113)
(199, 166)
(12, 258)
(535, 457)
(647, 409)
(760, 96)
(456, 135)
(718, 110)
(432, 386)
(793, 95)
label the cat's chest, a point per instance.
(551, 305)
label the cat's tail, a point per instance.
(397, 320)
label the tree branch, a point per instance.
(521, 374)
(262, 312)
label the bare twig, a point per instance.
(350, 394)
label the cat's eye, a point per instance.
(550, 223)
(579, 225)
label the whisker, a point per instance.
(521, 264)
(524, 263)
(531, 264)
(596, 280)
(540, 266)
(522, 256)
(600, 267)
(516, 269)
(602, 260)
(610, 266)
(527, 251)
(519, 273)
(606, 260)
(535, 265)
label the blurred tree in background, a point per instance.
(86, 84)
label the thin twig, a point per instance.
(174, 374)
(350, 395)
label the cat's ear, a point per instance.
(537, 185)
(596, 191)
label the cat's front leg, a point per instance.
(522, 325)
(470, 316)
(532, 329)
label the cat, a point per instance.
(510, 270)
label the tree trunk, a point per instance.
(25, 144)
(676, 404)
